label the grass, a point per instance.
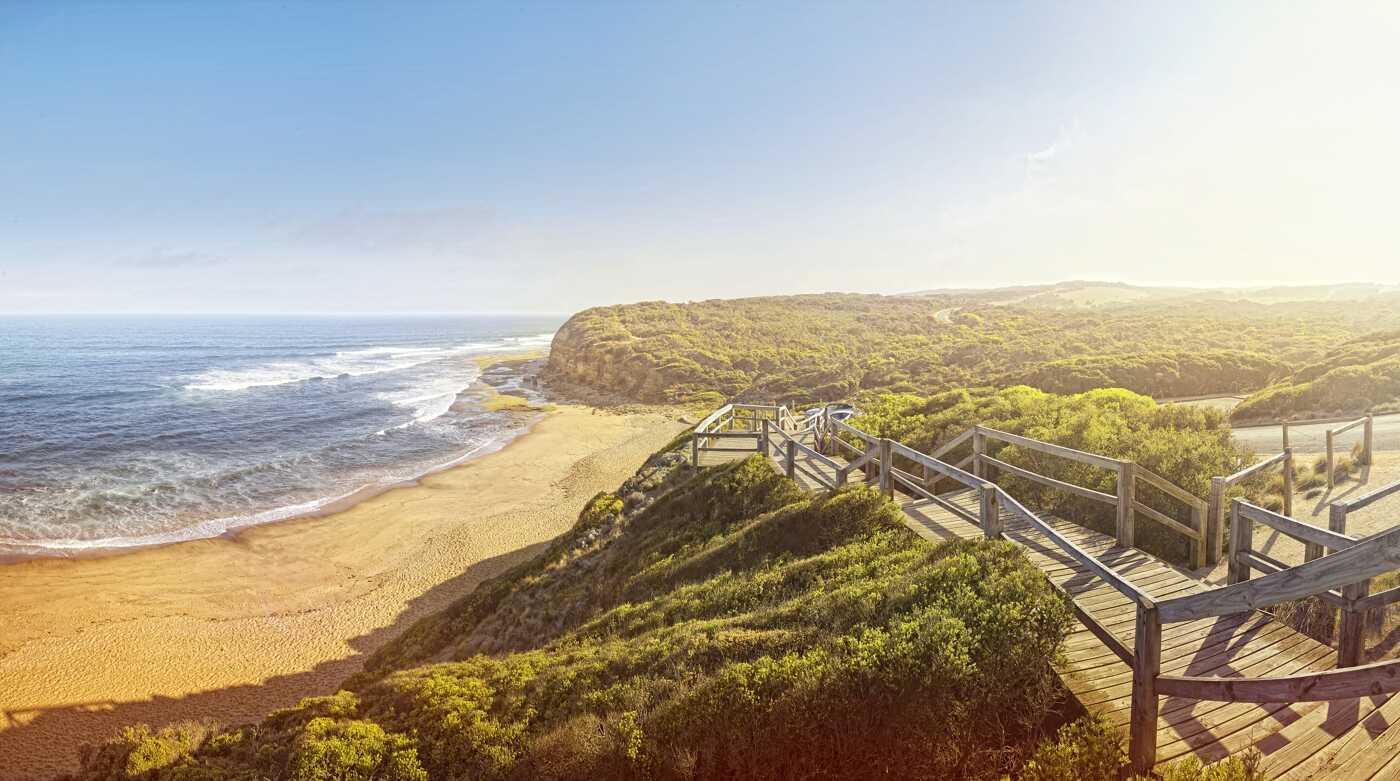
(693, 624)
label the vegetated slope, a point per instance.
(833, 346)
(712, 623)
(1360, 376)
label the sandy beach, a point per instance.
(234, 627)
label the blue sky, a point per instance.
(550, 156)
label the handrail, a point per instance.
(1026, 474)
(869, 439)
(1367, 499)
(1362, 681)
(1107, 575)
(1051, 448)
(1252, 469)
(945, 469)
(1169, 488)
(1363, 560)
(1348, 427)
(948, 446)
(1302, 532)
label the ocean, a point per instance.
(122, 431)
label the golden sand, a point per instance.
(234, 627)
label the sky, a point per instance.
(546, 157)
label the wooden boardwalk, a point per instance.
(1356, 739)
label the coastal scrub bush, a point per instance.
(1091, 749)
(729, 626)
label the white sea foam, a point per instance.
(433, 398)
(214, 527)
(347, 363)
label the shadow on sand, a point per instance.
(42, 741)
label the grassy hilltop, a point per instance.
(834, 346)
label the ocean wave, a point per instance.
(347, 363)
(58, 539)
(432, 400)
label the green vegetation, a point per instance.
(696, 624)
(1186, 445)
(1090, 749)
(1360, 376)
(836, 346)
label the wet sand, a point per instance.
(233, 627)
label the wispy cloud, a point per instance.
(163, 258)
(1043, 155)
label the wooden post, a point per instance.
(1331, 464)
(1126, 480)
(979, 448)
(990, 513)
(694, 449)
(1368, 441)
(885, 458)
(871, 475)
(1353, 626)
(1198, 547)
(1147, 662)
(791, 465)
(1288, 482)
(1337, 518)
(1241, 540)
(1215, 524)
(1285, 435)
(763, 446)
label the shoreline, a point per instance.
(232, 627)
(230, 527)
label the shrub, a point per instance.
(333, 750)
(732, 625)
(1091, 749)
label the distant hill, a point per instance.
(834, 346)
(1086, 294)
(1357, 377)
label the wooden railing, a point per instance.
(1125, 498)
(1340, 576)
(1367, 445)
(737, 428)
(1215, 513)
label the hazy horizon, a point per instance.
(262, 159)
